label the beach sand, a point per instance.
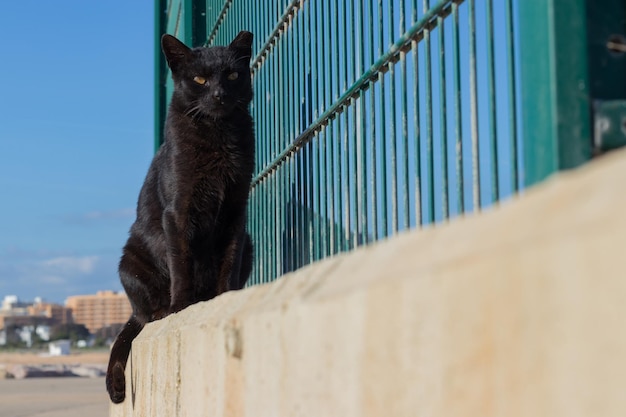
(27, 358)
(53, 397)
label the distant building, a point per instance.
(59, 313)
(12, 306)
(22, 322)
(99, 310)
(17, 313)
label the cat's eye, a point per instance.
(199, 80)
(233, 76)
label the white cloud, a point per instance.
(57, 274)
(111, 214)
(70, 265)
(100, 215)
(51, 279)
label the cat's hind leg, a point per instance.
(242, 273)
(247, 260)
(144, 282)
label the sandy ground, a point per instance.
(53, 397)
(84, 358)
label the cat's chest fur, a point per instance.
(201, 160)
(209, 162)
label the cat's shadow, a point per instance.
(133, 387)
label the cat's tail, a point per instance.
(115, 380)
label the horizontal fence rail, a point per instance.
(375, 117)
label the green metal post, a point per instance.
(160, 71)
(555, 87)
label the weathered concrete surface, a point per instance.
(518, 311)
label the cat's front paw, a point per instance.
(176, 307)
(116, 384)
(159, 314)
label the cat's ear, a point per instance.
(175, 51)
(242, 44)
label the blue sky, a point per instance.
(76, 139)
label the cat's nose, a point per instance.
(219, 95)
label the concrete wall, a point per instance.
(519, 311)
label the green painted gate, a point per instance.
(374, 117)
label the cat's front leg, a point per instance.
(178, 260)
(231, 263)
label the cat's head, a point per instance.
(211, 82)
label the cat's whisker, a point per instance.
(241, 104)
(195, 111)
(194, 105)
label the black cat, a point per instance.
(189, 242)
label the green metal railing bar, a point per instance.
(391, 136)
(430, 169)
(443, 128)
(458, 116)
(491, 87)
(512, 76)
(383, 198)
(474, 107)
(406, 205)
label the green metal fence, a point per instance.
(374, 117)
